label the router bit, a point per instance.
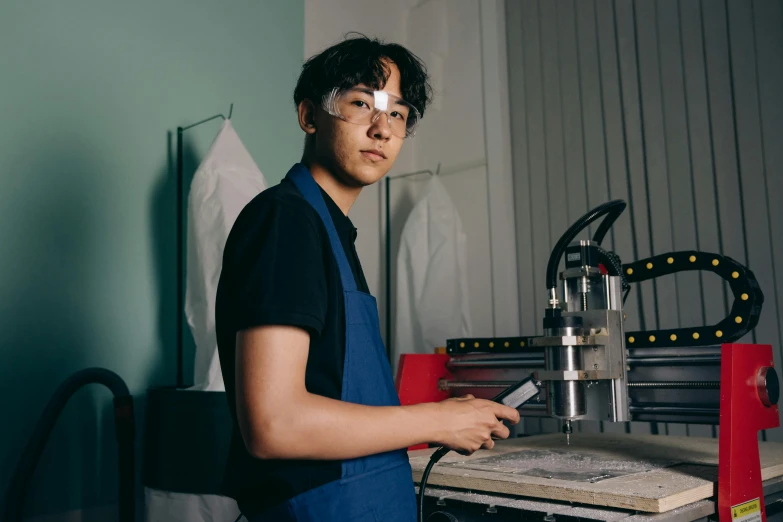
(568, 430)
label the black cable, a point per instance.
(625, 295)
(606, 224)
(439, 454)
(615, 267)
(125, 427)
(616, 207)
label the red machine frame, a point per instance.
(745, 409)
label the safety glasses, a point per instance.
(364, 107)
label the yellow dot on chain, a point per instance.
(476, 344)
(718, 334)
(631, 339)
(505, 344)
(522, 344)
(695, 335)
(738, 320)
(629, 271)
(652, 338)
(670, 260)
(491, 344)
(649, 266)
(735, 275)
(692, 259)
(673, 337)
(715, 262)
(744, 297)
(462, 345)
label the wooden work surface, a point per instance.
(652, 473)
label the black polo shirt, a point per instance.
(278, 269)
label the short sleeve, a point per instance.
(280, 275)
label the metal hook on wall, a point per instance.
(230, 112)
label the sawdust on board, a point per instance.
(562, 464)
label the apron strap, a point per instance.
(310, 190)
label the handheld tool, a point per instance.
(515, 396)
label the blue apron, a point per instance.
(377, 488)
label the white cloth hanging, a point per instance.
(170, 506)
(224, 183)
(432, 302)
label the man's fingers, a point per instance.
(505, 413)
(501, 411)
(489, 444)
(501, 431)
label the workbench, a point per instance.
(603, 476)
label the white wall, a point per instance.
(452, 134)
(447, 36)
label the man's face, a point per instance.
(359, 155)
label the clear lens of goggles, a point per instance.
(364, 107)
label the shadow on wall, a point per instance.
(57, 236)
(404, 194)
(51, 235)
(164, 236)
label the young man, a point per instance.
(319, 433)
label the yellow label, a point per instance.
(746, 512)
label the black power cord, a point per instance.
(126, 429)
(613, 208)
(614, 266)
(514, 396)
(439, 454)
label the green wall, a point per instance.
(91, 93)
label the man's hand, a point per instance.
(470, 424)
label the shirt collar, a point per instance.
(342, 223)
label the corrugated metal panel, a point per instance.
(671, 105)
(769, 50)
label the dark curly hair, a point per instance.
(360, 59)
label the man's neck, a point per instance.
(342, 194)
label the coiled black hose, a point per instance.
(614, 208)
(124, 423)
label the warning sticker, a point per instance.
(746, 512)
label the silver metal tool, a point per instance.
(584, 344)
